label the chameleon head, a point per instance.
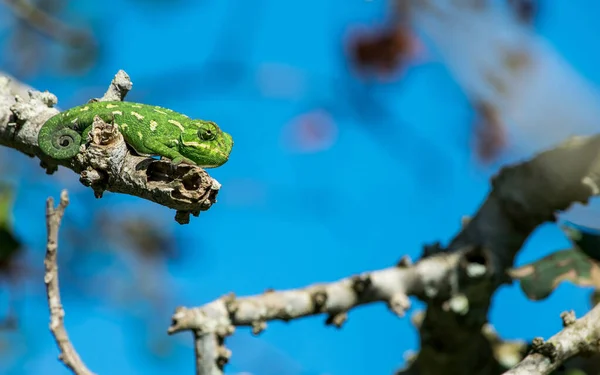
(206, 144)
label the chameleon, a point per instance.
(149, 130)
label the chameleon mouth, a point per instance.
(219, 152)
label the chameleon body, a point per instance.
(147, 129)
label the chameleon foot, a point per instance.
(178, 161)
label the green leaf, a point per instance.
(579, 265)
(540, 278)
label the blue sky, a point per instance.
(284, 218)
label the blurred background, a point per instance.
(363, 130)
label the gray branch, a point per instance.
(457, 282)
(523, 197)
(104, 163)
(210, 354)
(579, 337)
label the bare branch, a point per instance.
(523, 197)
(118, 89)
(579, 337)
(211, 356)
(105, 163)
(507, 352)
(67, 355)
(457, 282)
(432, 277)
(13, 86)
(391, 285)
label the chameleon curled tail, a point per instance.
(59, 139)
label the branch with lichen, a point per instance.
(456, 282)
(105, 164)
(579, 337)
(68, 354)
(435, 277)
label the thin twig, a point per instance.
(48, 25)
(67, 355)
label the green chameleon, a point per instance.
(149, 130)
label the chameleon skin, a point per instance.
(148, 129)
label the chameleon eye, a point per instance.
(207, 132)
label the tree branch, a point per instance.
(67, 355)
(432, 277)
(508, 353)
(210, 354)
(579, 337)
(105, 163)
(457, 282)
(391, 285)
(523, 197)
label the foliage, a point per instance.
(579, 265)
